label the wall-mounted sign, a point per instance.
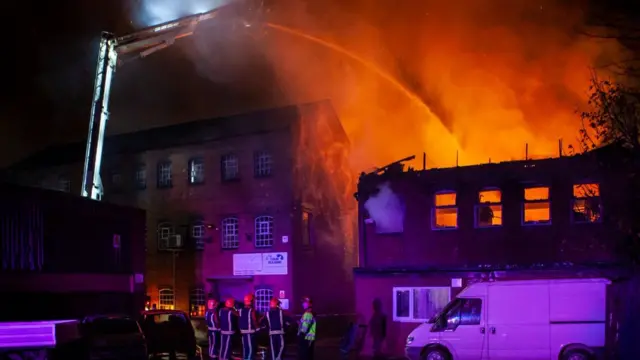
(285, 239)
(282, 295)
(456, 283)
(284, 304)
(260, 264)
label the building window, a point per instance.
(262, 164)
(263, 297)
(230, 237)
(230, 170)
(587, 207)
(198, 232)
(64, 184)
(197, 302)
(445, 211)
(166, 299)
(536, 209)
(166, 232)
(196, 171)
(489, 208)
(141, 177)
(164, 174)
(264, 231)
(418, 304)
(306, 228)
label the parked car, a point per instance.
(528, 319)
(170, 333)
(113, 337)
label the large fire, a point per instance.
(464, 81)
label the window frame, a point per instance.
(266, 242)
(198, 240)
(262, 160)
(434, 209)
(410, 318)
(163, 241)
(524, 202)
(197, 297)
(193, 164)
(168, 183)
(479, 204)
(224, 160)
(224, 240)
(573, 202)
(262, 301)
(163, 292)
(140, 181)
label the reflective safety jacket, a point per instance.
(212, 319)
(248, 322)
(275, 320)
(307, 326)
(228, 321)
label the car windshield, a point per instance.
(445, 310)
(166, 320)
(112, 326)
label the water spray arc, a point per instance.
(144, 42)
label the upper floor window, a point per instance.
(166, 299)
(230, 169)
(306, 228)
(164, 174)
(197, 302)
(198, 232)
(196, 171)
(536, 208)
(64, 184)
(166, 236)
(141, 177)
(263, 297)
(586, 205)
(262, 164)
(445, 211)
(264, 231)
(489, 208)
(418, 304)
(230, 233)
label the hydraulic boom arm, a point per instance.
(142, 44)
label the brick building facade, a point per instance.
(247, 203)
(424, 235)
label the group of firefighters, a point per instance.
(224, 322)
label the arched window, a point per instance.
(264, 231)
(197, 302)
(263, 297)
(165, 232)
(166, 299)
(230, 238)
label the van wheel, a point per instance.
(576, 355)
(436, 354)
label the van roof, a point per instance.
(479, 288)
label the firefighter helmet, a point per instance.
(212, 303)
(230, 302)
(306, 302)
(274, 302)
(248, 299)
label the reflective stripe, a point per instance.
(276, 332)
(224, 332)
(247, 331)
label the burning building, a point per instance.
(426, 234)
(254, 202)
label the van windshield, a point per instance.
(444, 311)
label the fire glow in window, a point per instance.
(489, 208)
(536, 208)
(445, 211)
(586, 203)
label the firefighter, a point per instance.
(275, 321)
(248, 324)
(228, 316)
(213, 327)
(307, 331)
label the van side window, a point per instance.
(470, 312)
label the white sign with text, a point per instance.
(260, 264)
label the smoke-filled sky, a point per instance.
(475, 77)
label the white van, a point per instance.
(517, 320)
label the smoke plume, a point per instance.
(464, 80)
(386, 209)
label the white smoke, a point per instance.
(386, 209)
(154, 12)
